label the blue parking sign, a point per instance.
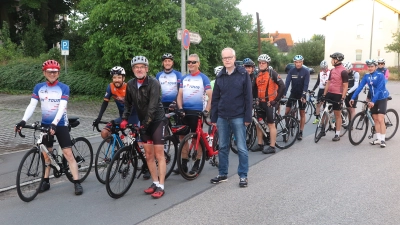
(64, 45)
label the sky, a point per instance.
(300, 18)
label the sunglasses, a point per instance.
(381, 63)
(191, 62)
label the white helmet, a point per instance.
(139, 60)
(323, 64)
(264, 57)
(348, 65)
(117, 70)
(381, 60)
(218, 69)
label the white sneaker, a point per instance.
(383, 144)
(375, 142)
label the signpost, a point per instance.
(185, 39)
(65, 51)
(195, 38)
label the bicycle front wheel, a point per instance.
(345, 114)
(309, 111)
(121, 172)
(170, 153)
(286, 131)
(250, 138)
(103, 157)
(83, 153)
(30, 175)
(191, 160)
(391, 122)
(322, 127)
(358, 128)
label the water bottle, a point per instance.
(333, 120)
(210, 141)
(52, 160)
(124, 139)
(263, 124)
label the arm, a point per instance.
(209, 94)
(102, 109)
(128, 102)
(248, 100)
(281, 86)
(356, 81)
(62, 108)
(316, 84)
(379, 88)
(306, 83)
(345, 85)
(327, 84)
(254, 89)
(30, 109)
(208, 90)
(179, 98)
(216, 95)
(155, 93)
(359, 89)
(287, 82)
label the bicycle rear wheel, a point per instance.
(322, 127)
(170, 153)
(103, 157)
(309, 111)
(121, 172)
(286, 132)
(188, 154)
(358, 128)
(345, 113)
(391, 122)
(250, 138)
(83, 153)
(30, 175)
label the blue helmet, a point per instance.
(298, 58)
(248, 62)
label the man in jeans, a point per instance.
(231, 107)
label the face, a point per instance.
(371, 68)
(140, 70)
(381, 65)
(193, 64)
(249, 69)
(118, 80)
(167, 64)
(51, 76)
(334, 61)
(262, 65)
(228, 59)
(298, 64)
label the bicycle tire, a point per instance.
(323, 125)
(121, 172)
(192, 154)
(358, 123)
(103, 157)
(345, 114)
(286, 131)
(83, 153)
(250, 138)
(29, 188)
(170, 154)
(309, 112)
(391, 122)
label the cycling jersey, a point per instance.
(376, 84)
(384, 71)
(170, 82)
(337, 77)
(300, 78)
(118, 94)
(322, 79)
(354, 80)
(53, 101)
(194, 86)
(268, 87)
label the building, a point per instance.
(283, 41)
(360, 29)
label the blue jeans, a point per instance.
(225, 128)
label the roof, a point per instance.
(287, 36)
(347, 1)
(282, 45)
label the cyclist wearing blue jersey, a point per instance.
(169, 80)
(53, 96)
(378, 104)
(250, 66)
(190, 100)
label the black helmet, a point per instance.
(167, 56)
(337, 55)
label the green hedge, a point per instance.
(23, 75)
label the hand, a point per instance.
(53, 129)
(347, 94)
(370, 104)
(19, 125)
(172, 106)
(96, 122)
(351, 102)
(322, 98)
(303, 99)
(143, 129)
(123, 124)
(205, 113)
(181, 113)
(214, 124)
(272, 103)
(246, 123)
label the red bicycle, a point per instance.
(196, 148)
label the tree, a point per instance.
(395, 47)
(312, 50)
(33, 40)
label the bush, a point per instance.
(33, 40)
(394, 73)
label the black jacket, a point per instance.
(232, 97)
(146, 99)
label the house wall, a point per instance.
(351, 31)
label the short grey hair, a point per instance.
(196, 56)
(231, 49)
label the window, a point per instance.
(358, 54)
(360, 28)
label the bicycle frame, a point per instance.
(203, 135)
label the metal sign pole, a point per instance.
(183, 25)
(65, 63)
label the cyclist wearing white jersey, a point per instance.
(321, 82)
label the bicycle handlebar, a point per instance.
(35, 126)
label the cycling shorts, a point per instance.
(320, 93)
(267, 113)
(155, 133)
(335, 98)
(290, 102)
(63, 137)
(190, 119)
(347, 101)
(380, 107)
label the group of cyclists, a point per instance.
(144, 100)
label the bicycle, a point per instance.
(208, 144)
(359, 124)
(327, 120)
(124, 165)
(294, 110)
(30, 175)
(251, 135)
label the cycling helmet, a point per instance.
(371, 62)
(117, 70)
(348, 65)
(323, 64)
(337, 55)
(248, 62)
(381, 60)
(264, 57)
(298, 58)
(51, 64)
(167, 56)
(218, 69)
(139, 60)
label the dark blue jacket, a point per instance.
(300, 78)
(232, 96)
